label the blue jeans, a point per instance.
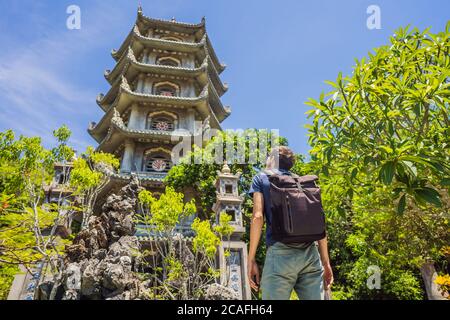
(289, 268)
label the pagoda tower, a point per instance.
(164, 86)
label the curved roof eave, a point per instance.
(172, 25)
(212, 53)
(131, 61)
(204, 44)
(221, 111)
(125, 92)
(118, 131)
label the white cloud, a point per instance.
(37, 93)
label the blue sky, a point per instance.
(278, 54)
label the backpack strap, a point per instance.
(297, 181)
(310, 178)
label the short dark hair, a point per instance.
(286, 157)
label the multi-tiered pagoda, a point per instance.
(164, 86)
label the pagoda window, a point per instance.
(60, 177)
(229, 189)
(232, 213)
(162, 121)
(161, 124)
(157, 163)
(168, 61)
(166, 89)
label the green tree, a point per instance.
(178, 270)
(380, 142)
(90, 173)
(27, 223)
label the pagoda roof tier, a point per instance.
(113, 97)
(129, 67)
(197, 29)
(118, 132)
(143, 177)
(138, 42)
(229, 199)
(99, 130)
(207, 104)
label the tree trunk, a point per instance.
(429, 275)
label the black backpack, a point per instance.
(297, 212)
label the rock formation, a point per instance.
(102, 261)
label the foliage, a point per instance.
(88, 176)
(177, 274)
(224, 228)
(27, 223)
(62, 152)
(168, 210)
(443, 282)
(102, 158)
(396, 283)
(83, 177)
(7, 273)
(380, 144)
(205, 240)
(388, 123)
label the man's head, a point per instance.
(283, 156)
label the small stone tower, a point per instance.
(234, 267)
(229, 201)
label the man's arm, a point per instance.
(328, 272)
(256, 226)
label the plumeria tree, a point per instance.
(380, 141)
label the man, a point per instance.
(303, 267)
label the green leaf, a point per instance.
(410, 169)
(401, 204)
(428, 195)
(432, 164)
(445, 182)
(386, 149)
(331, 83)
(387, 172)
(354, 173)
